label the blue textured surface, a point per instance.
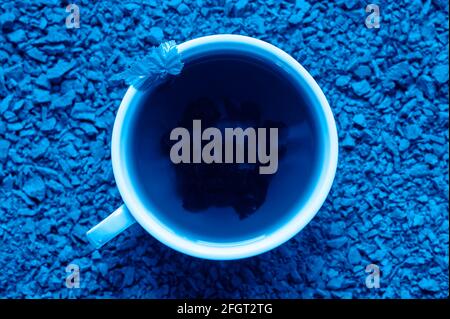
(388, 89)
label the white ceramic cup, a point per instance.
(134, 210)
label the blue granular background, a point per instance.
(387, 87)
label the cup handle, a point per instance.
(110, 227)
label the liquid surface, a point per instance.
(240, 80)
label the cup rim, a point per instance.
(236, 250)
